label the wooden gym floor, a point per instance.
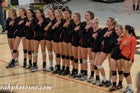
(59, 84)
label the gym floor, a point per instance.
(59, 84)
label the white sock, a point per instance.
(129, 86)
(104, 78)
(51, 63)
(16, 58)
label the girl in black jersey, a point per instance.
(10, 27)
(115, 61)
(49, 36)
(76, 43)
(96, 48)
(86, 44)
(66, 36)
(57, 39)
(20, 34)
(29, 35)
(39, 38)
(107, 34)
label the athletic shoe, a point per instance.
(128, 90)
(24, 64)
(108, 84)
(72, 75)
(60, 72)
(66, 72)
(119, 87)
(96, 82)
(16, 63)
(33, 69)
(10, 65)
(90, 79)
(113, 88)
(29, 66)
(83, 78)
(44, 69)
(50, 69)
(103, 83)
(79, 76)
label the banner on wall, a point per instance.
(25, 2)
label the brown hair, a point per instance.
(113, 20)
(91, 14)
(24, 10)
(120, 26)
(51, 9)
(78, 16)
(14, 11)
(60, 12)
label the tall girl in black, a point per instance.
(20, 34)
(57, 39)
(66, 35)
(115, 61)
(76, 43)
(29, 28)
(96, 48)
(107, 34)
(39, 38)
(49, 36)
(10, 27)
(86, 44)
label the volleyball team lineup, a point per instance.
(73, 42)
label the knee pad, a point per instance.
(84, 61)
(15, 51)
(57, 55)
(126, 74)
(99, 67)
(67, 57)
(63, 56)
(81, 61)
(25, 51)
(43, 53)
(50, 53)
(114, 73)
(72, 58)
(95, 67)
(120, 72)
(75, 60)
(35, 54)
(29, 52)
(90, 61)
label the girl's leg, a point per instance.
(11, 45)
(35, 55)
(134, 5)
(113, 66)
(90, 79)
(56, 50)
(17, 54)
(100, 61)
(43, 50)
(28, 44)
(50, 53)
(120, 72)
(75, 63)
(110, 71)
(65, 57)
(127, 75)
(25, 52)
(95, 59)
(84, 54)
